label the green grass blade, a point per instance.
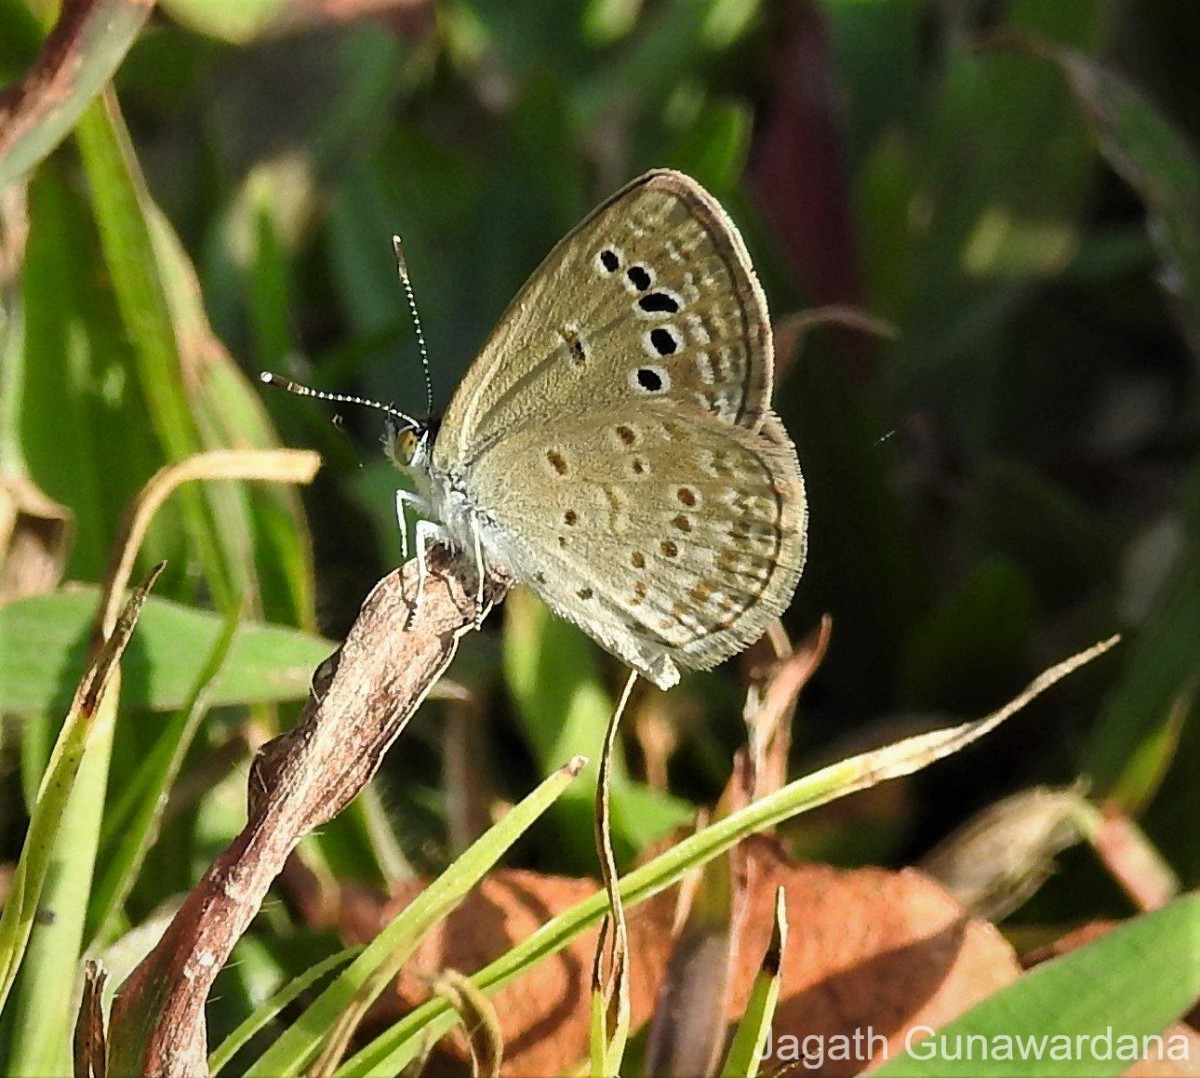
(745, 1053)
(131, 828)
(117, 194)
(1159, 682)
(270, 1009)
(44, 1013)
(29, 877)
(89, 43)
(71, 334)
(1158, 162)
(1076, 1012)
(564, 715)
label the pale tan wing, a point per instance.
(671, 538)
(652, 295)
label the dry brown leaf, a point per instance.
(771, 709)
(996, 860)
(35, 538)
(90, 1048)
(867, 949)
(544, 1015)
(1171, 1068)
(791, 331)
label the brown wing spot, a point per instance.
(686, 496)
(683, 522)
(570, 518)
(585, 593)
(638, 559)
(557, 461)
(668, 549)
(626, 434)
(638, 466)
(732, 610)
(539, 578)
(702, 592)
(727, 560)
(639, 594)
(562, 540)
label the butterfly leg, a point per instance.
(425, 533)
(419, 504)
(478, 576)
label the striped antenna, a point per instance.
(402, 268)
(343, 398)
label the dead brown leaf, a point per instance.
(544, 1015)
(35, 538)
(1171, 1068)
(867, 949)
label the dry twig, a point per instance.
(363, 696)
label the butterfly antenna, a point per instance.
(402, 267)
(344, 398)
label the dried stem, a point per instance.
(363, 696)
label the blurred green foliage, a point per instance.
(1011, 478)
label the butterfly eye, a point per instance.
(405, 448)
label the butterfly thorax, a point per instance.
(444, 492)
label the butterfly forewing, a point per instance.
(651, 297)
(669, 536)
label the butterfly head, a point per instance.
(409, 443)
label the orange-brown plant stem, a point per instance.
(362, 697)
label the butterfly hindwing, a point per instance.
(669, 536)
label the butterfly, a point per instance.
(613, 446)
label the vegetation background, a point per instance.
(1010, 477)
